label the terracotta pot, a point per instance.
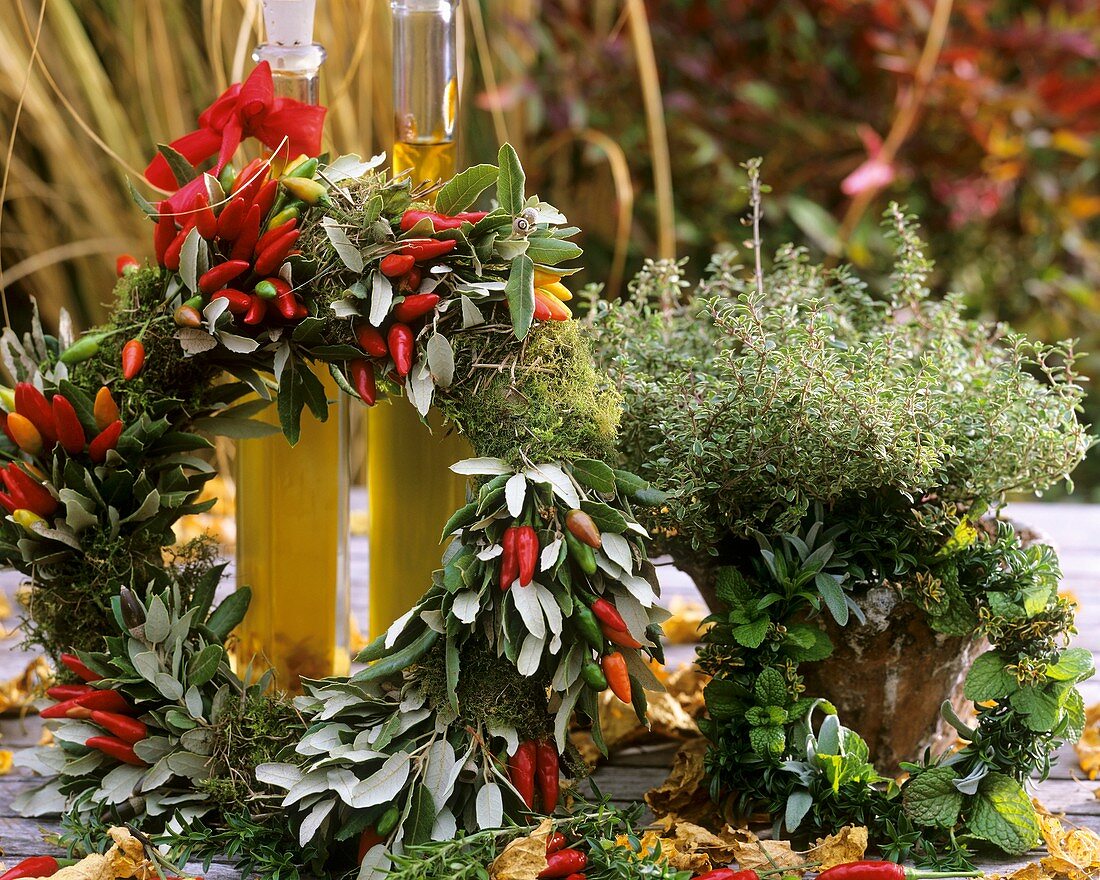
(887, 677)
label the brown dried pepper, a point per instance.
(584, 528)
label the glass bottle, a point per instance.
(411, 493)
(292, 502)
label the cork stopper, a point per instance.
(289, 23)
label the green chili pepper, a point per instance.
(388, 822)
(84, 348)
(582, 554)
(593, 676)
(304, 169)
(226, 178)
(195, 302)
(284, 215)
(588, 625)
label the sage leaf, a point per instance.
(463, 190)
(511, 181)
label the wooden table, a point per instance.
(634, 771)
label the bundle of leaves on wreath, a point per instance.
(544, 598)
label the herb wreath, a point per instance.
(818, 442)
(544, 598)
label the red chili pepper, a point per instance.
(102, 700)
(76, 666)
(728, 874)
(521, 772)
(410, 281)
(239, 301)
(584, 528)
(249, 235)
(26, 492)
(206, 221)
(542, 310)
(620, 637)
(607, 613)
(415, 306)
(395, 265)
(256, 311)
(527, 553)
(274, 255)
(371, 340)
(577, 877)
(250, 178)
(286, 303)
(231, 219)
(874, 870)
(509, 561)
(363, 381)
(106, 440)
(35, 866)
(7, 429)
(618, 679)
(126, 264)
(472, 216)
(172, 255)
(272, 234)
(401, 343)
(127, 729)
(24, 434)
(163, 236)
(133, 359)
(118, 749)
(427, 248)
(65, 692)
(555, 842)
(265, 197)
(368, 840)
(67, 709)
(217, 277)
(563, 863)
(546, 767)
(70, 433)
(439, 221)
(32, 404)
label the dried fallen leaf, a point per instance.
(17, 693)
(125, 859)
(685, 625)
(1074, 852)
(1088, 747)
(684, 792)
(671, 852)
(524, 857)
(6, 758)
(848, 845)
(754, 854)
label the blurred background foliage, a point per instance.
(983, 116)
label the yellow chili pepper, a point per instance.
(558, 290)
(27, 519)
(278, 168)
(544, 277)
(105, 408)
(309, 191)
(7, 398)
(25, 433)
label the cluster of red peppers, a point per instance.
(106, 708)
(37, 425)
(520, 558)
(251, 234)
(405, 267)
(562, 861)
(535, 764)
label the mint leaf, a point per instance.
(723, 699)
(1074, 665)
(511, 181)
(462, 190)
(1040, 708)
(988, 679)
(1004, 816)
(770, 688)
(768, 742)
(731, 588)
(931, 798)
(807, 643)
(751, 635)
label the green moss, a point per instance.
(554, 405)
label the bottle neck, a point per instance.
(425, 71)
(295, 70)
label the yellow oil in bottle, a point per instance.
(291, 536)
(411, 491)
(427, 161)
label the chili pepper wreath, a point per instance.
(544, 598)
